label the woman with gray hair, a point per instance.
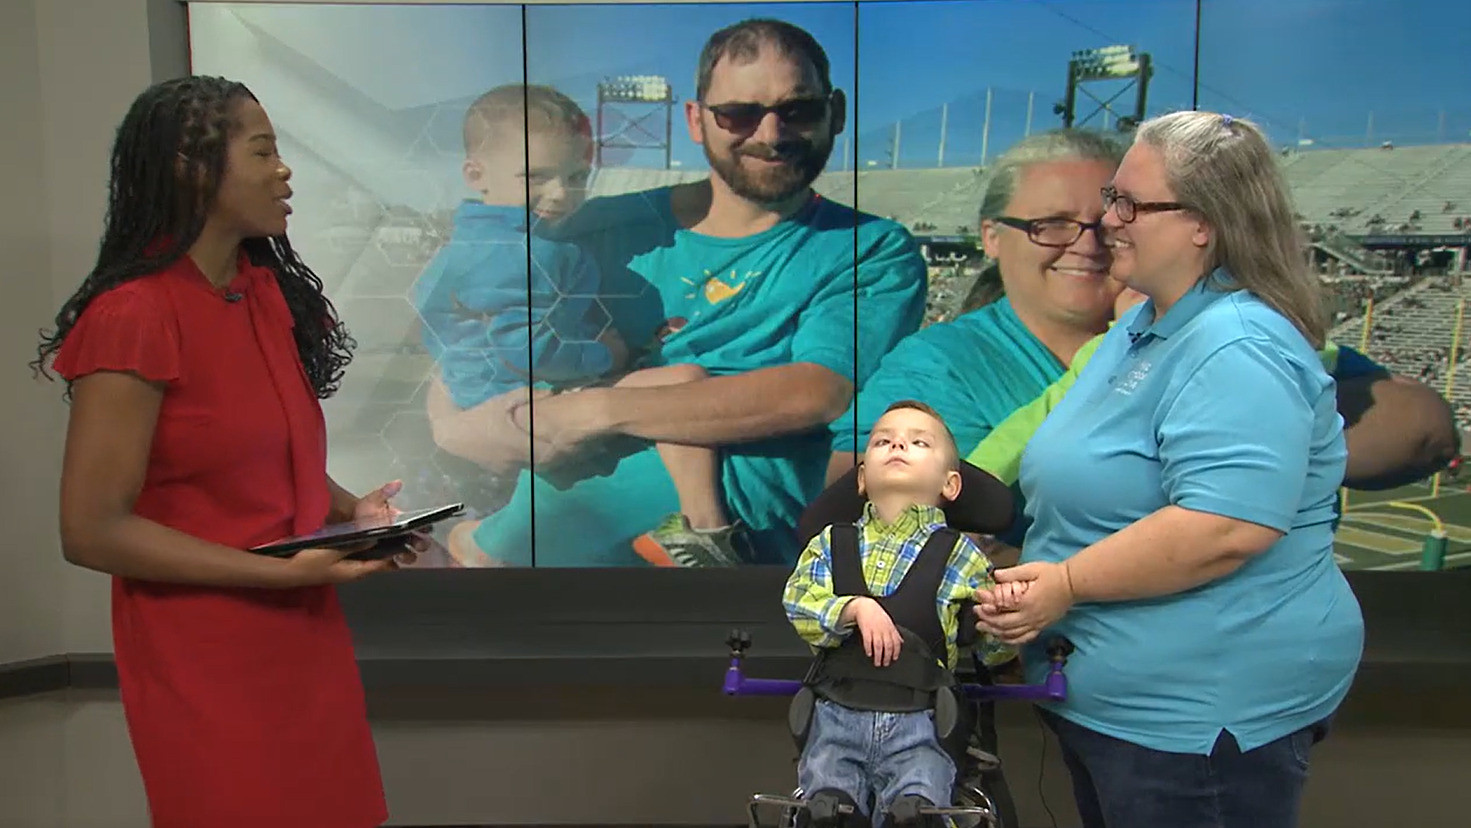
(1182, 503)
(1040, 220)
(1025, 167)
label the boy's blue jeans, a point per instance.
(870, 755)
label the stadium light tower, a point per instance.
(1111, 64)
(625, 105)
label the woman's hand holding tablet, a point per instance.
(318, 565)
(364, 539)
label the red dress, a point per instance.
(245, 706)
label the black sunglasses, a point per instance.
(746, 117)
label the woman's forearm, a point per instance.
(344, 503)
(1167, 552)
(1398, 431)
(141, 549)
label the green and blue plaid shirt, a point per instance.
(886, 552)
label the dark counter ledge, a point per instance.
(507, 629)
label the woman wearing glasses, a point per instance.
(1182, 503)
(1040, 222)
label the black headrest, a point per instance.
(985, 505)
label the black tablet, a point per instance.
(369, 529)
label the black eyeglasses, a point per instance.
(1052, 232)
(1128, 208)
(744, 118)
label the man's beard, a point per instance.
(804, 161)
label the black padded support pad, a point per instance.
(985, 505)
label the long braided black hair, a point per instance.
(168, 160)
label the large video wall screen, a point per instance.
(519, 213)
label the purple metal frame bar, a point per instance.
(1054, 688)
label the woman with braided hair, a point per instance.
(195, 354)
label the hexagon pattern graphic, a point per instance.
(380, 232)
(392, 237)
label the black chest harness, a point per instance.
(846, 674)
(918, 679)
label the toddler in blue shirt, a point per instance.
(506, 304)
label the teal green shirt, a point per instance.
(975, 370)
(829, 286)
(1000, 453)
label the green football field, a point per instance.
(1386, 530)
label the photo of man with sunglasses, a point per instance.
(786, 300)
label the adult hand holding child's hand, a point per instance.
(1046, 595)
(1003, 596)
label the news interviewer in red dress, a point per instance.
(196, 352)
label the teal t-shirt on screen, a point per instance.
(829, 285)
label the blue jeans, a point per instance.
(870, 755)
(1119, 784)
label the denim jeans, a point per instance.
(1119, 784)
(875, 757)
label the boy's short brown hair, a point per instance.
(515, 109)
(950, 444)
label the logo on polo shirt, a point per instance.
(1131, 380)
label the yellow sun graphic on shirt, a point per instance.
(717, 290)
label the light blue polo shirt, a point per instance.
(829, 286)
(1221, 406)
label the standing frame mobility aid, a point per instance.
(970, 806)
(984, 506)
